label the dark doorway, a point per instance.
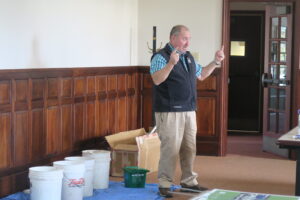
(246, 64)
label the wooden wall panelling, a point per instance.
(6, 185)
(148, 119)
(37, 140)
(52, 117)
(21, 97)
(21, 107)
(79, 111)
(5, 140)
(53, 131)
(47, 114)
(206, 116)
(207, 147)
(102, 106)
(91, 117)
(53, 88)
(79, 88)
(67, 127)
(6, 146)
(67, 113)
(66, 89)
(5, 92)
(139, 97)
(122, 116)
(112, 84)
(37, 88)
(132, 101)
(206, 106)
(78, 125)
(21, 138)
(208, 134)
(209, 84)
(21, 122)
(91, 107)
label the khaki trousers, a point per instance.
(177, 132)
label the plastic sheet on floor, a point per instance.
(116, 191)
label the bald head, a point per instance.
(177, 29)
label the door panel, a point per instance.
(277, 76)
(246, 61)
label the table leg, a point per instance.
(297, 187)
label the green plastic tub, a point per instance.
(134, 177)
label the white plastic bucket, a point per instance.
(88, 175)
(101, 169)
(73, 179)
(45, 183)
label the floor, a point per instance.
(247, 145)
(242, 145)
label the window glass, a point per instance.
(274, 25)
(237, 48)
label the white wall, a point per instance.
(87, 33)
(203, 17)
(68, 33)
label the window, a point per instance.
(237, 48)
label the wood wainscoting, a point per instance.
(47, 114)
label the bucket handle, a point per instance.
(153, 130)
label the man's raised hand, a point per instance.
(174, 57)
(219, 56)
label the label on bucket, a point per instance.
(76, 182)
(138, 175)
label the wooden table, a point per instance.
(287, 141)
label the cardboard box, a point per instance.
(134, 148)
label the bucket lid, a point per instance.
(88, 161)
(135, 170)
(45, 172)
(96, 153)
(68, 165)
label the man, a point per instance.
(174, 73)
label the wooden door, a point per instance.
(245, 70)
(277, 76)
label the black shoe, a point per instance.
(194, 188)
(165, 192)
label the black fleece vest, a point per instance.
(178, 92)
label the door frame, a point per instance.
(295, 93)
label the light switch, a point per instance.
(196, 56)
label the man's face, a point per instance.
(181, 41)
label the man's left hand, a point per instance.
(219, 56)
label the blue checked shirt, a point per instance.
(158, 62)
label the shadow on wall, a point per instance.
(35, 61)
